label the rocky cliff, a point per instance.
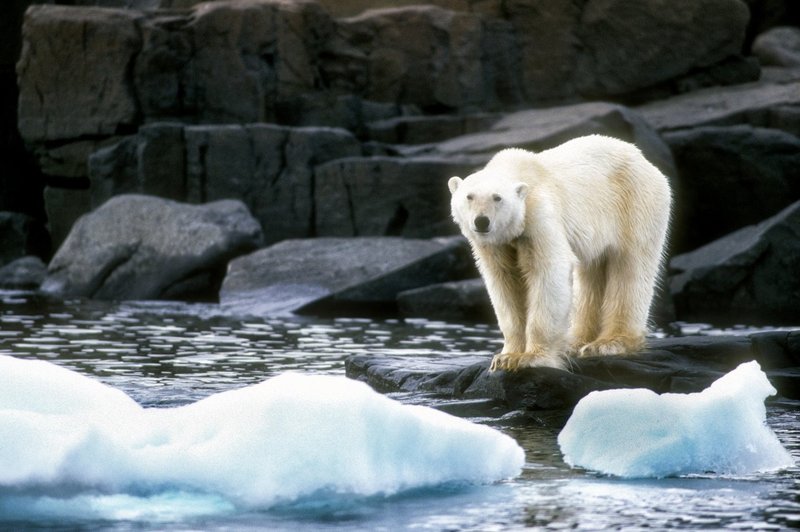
(344, 119)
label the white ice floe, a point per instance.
(636, 433)
(285, 439)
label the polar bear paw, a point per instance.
(517, 361)
(618, 345)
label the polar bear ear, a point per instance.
(453, 183)
(521, 189)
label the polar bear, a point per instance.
(570, 242)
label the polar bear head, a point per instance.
(489, 208)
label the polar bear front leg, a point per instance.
(548, 288)
(497, 265)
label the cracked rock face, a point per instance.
(270, 168)
(139, 247)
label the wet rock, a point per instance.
(21, 235)
(731, 177)
(340, 275)
(681, 365)
(749, 275)
(25, 273)
(465, 300)
(141, 247)
(387, 196)
(778, 47)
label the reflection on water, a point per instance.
(165, 354)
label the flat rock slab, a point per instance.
(338, 275)
(680, 365)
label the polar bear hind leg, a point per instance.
(590, 286)
(629, 287)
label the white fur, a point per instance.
(573, 246)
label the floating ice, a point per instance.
(638, 433)
(64, 435)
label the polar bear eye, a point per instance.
(497, 198)
(470, 197)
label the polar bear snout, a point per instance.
(481, 224)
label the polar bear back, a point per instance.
(604, 190)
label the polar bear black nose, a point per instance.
(482, 224)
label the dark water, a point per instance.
(165, 354)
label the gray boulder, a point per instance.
(25, 273)
(141, 247)
(731, 177)
(339, 275)
(778, 47)
(749, 276)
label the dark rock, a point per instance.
(428, 129)
(74, 72)
(731, 177)
(386, 196)
(140, 247)
(64, 206)
(270, 168)
(733, 70)
(539, 129)
(680, 365)
(22, 235)
(778, 47)
(230, 62)
(756, 104)
(453, 301)
(613, 47)
(345, 111)
(749, 276)
(26, 273)
(766, 14)
(341, 275)
(245, 62)
(151, 162)
(423, 55)
(629, 46)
